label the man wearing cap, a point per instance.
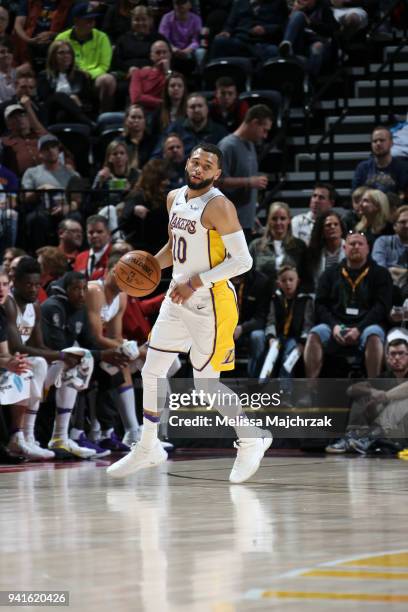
(21, 142)
(49, 176)
(93, 52)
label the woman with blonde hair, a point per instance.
(278, 245)
(375, 218)
(65, 90)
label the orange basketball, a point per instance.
(137, 273)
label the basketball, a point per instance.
(137, 273)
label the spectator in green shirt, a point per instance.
(93, 53)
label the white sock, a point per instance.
(127, 408)
(30, 416)
(149, 432)
(61, 423)
(75, 433)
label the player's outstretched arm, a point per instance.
(164, 256)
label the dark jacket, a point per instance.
(372, 297)
(245, 15)
(133, 50)
(212, 132)
(302, 317)
(62, 326)
(253, 300)
(80, 83)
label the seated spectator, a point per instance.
(289, 320)
(147, 84)
(36, 25)
(308, 32)
(353, 301)
(392, 251)
(351, 16)
(250, 29)
(240, 179)
(182, 29)
(93, 262)
(326, 246)
(118, 18)
(375, 216)
(93, 53)
(196, 128)
(44, 198)
(53, 265)
(382, 171)
(25, 85)
(132, 49)
(8, 74)
(116, 179)
(375, 412)
(277, 245)
(8, 204)
(4, 22)
(66, 92)
(253, 291)
(353, 216)
(137, 137)
(175, 158)
(226, 109)
(9, 255)
(173, 103)
(70, 236)
(321, 200)
(145, 217)
(21, 142)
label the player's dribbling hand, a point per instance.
(181, 293)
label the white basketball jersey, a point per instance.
(25, 321)
(108, 311)
(195, 248)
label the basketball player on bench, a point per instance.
(206, 247)
(106, 304)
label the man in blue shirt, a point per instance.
(392, 251)
(382, 171)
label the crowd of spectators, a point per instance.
(127, 80)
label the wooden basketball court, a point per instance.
(306, 533)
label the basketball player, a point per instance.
(25, 336)
(199, 314)
(106, 305)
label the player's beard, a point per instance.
(198, 186)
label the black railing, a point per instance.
(17, 211)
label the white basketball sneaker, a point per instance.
(18, 446)
(249, 457)
(71, 447)
(138, 459)
(33, 443)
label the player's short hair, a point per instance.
(26, 265)
(258, 112)
(209, 148)
(94, 219)
(70, 278)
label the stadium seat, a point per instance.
(238, 68)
